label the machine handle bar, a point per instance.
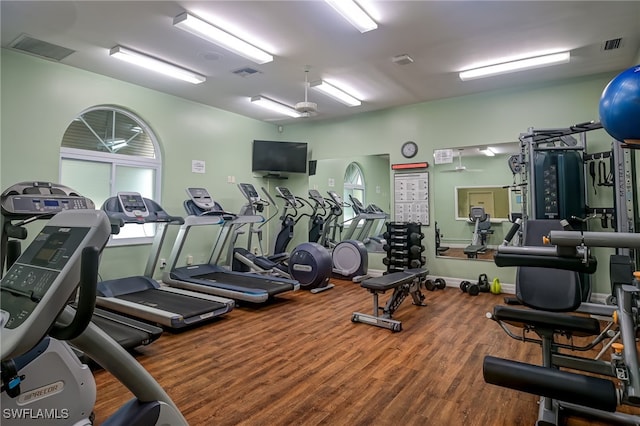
(86, 297)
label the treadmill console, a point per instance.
(286, 194)
(357, 204)
(201, 198)
(39, 284)
(314, 194)
(132, 204)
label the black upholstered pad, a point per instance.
(387, 282)
(578, 326)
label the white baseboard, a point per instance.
(507, 288)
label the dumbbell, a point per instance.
(412, 263)
(471, 288)
(416, 237)
(438, 283)
(416, 249)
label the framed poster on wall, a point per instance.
(411, 197)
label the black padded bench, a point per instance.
(402, 283)
(554, 322)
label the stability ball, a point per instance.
(620, 106)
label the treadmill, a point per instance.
(26, 202)
(210, 277)
(141, 296)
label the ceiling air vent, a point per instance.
(246, 72)
(614, 43)
(40, 48)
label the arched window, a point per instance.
(353, 185)
(106, 150)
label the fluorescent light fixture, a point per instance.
(121, 143)
(338, 94)
(519, 65)
(275, 106)
(354, 13)
(215, 35)
(487, 151)
(156, 65)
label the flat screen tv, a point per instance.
(279, 157)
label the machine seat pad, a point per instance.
(473, 249)
(389, 281)
(571, 324)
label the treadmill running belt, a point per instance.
(126, 336)
(186, 306)
(229, 281)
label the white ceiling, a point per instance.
(443, 37)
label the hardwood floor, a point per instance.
(301, 361)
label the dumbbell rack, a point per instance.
(403, 246)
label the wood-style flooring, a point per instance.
(301, 361)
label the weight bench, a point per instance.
(403, 283)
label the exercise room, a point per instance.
(317, 212)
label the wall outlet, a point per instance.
(189, 260)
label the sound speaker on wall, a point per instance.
(312, 167)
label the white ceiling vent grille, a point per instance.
(614, 43)
(246, 72)
(40, 48)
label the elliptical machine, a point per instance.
(309, 263)
(41, 376)
(350, 257)
(319, 215)
(243, 259)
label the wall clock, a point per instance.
(409, 149)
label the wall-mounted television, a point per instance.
(279, 157)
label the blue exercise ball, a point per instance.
(620, 106)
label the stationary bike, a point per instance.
(482, 228)
(42, 379)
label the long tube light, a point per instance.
(275, 106)
(519, 65)
(215, 35)
(156, 65)
(487, 151)
(338, 94)
(354, 13)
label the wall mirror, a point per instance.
(474, 185)
(365, 178)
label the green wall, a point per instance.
(482, 119)
(40, 98)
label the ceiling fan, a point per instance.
(459, 167)
(306, 108)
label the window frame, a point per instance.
(115, 160)
(348, 185)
